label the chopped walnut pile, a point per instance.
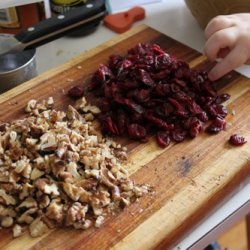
(56, 170)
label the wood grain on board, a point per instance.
(190, 178)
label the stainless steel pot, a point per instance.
(17, 53)
(16, 68)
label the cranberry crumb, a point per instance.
(237, 140)
(76, 92)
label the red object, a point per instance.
(28, 15)
(148, 92)
(122, 21)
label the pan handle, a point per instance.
(57, 26)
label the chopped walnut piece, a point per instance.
(83, 225)
(76, 213)
(89, 117)
(72, 114)
(27, 188)
(72, 169)
(55, 211)
(20, 165)
(91, 109)
(28, 203)
(17, 230)
(7, 211)
(7, 221)
(46, 187)
(36, 173)
(99, 221)
(58, 170)
(4, 176)
(26, 216)
(48, 141)
(43, 201)
(72, 191)
(31, 105)
(51, 189)
(8, 199)
(81, 103)
(38, 227)
(49, 103)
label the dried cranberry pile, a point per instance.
(150, 92)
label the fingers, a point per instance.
(228, 38)
(221, 39)
(223, 53)
(218, 23)
(234, 59)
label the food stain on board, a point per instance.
(185, 166)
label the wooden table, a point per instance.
(189, 178)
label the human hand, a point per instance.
(227, 37)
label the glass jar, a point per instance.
(62, 6)
(14, 17)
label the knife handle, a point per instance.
(57, 26)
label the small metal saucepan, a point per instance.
(17, 53)
(16, 68)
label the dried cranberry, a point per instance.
(216, 110)
(163, 61)
(76, 92)
(181, 72)
(105, 106)
(157, 121)
(114, 61)
(145, 78)
(102, 75)
(163, 139)
(222, 98)
(3, 127)
(122, 121)
(133, 106)
(217, 125)
(136, 131)
(175, 88)
(162, 90)
(139, 49)
(178, 135)
(195, 128)
(237, 140)
(163, 74)
(128, 84)
(109, 126)
(203, 116)
(157, 49)
(194, 108)
(136, 118)
(208, 88)
(143, 95)
(179, 108)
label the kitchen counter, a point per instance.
(172, 18)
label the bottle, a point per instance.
(15, 18)
(62, 6)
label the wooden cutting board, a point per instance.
(189, 178)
